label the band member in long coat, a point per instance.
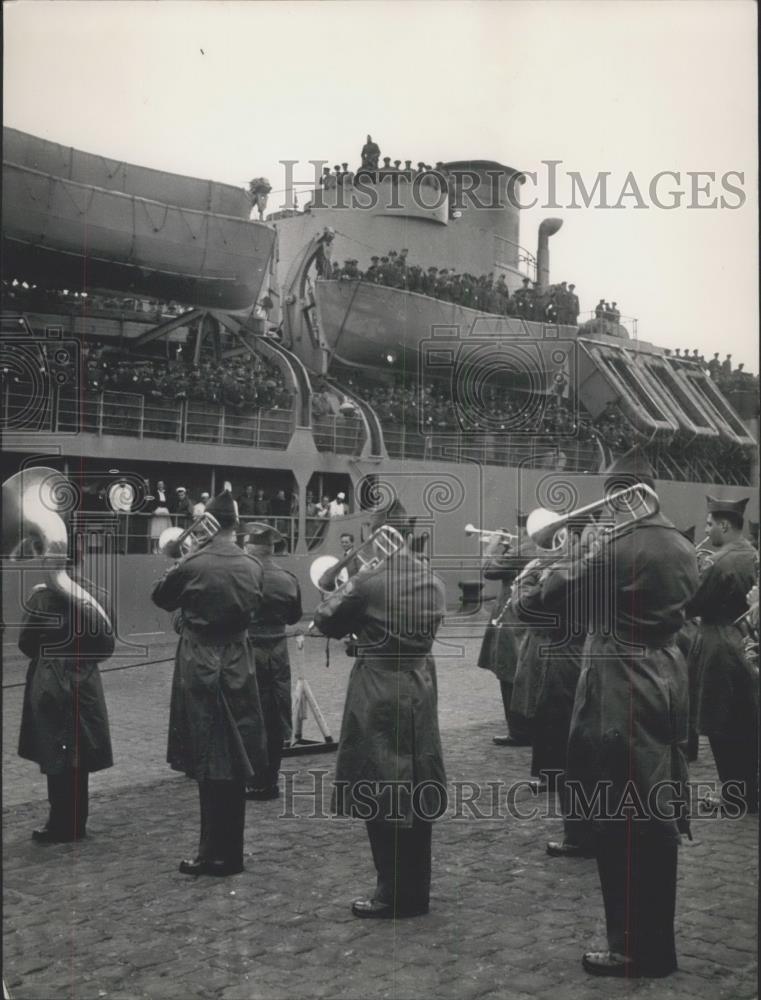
(280, 606)
(216, 729)
(727, 684)
(64, 723)
(629, 726)
(389, 769)
(502, 638)
(531, 666)
(559, 645)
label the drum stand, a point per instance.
(303, 700)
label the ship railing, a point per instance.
(696, 469)
(539, 451)
(125, 414)
(339, 434)
(137, 533)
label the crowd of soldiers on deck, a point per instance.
(429, 408)
(727, 378)
(342, 176)
(25, 294)
(554, 304)
(244, 385)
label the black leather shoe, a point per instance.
(263, 794)
(44, 835)
(376, 910)
(508, 741)
(556, 849)
(610, 963)
(203, 867)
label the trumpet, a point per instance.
(488, 536)
(177, 542)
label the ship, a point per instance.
(77, 239)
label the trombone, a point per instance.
(488, 536)
(383, 543)
(177, 542)
(546, 526)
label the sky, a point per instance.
(227, 90)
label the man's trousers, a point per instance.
(637, 867)
(223, 817)
(402, 857)
(737, 761)
(273, 676)
(68, 795)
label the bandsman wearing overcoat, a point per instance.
(216, 729)
(390, 769)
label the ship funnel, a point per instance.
(547, 228)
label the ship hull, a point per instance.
(56, 230)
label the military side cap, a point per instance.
(726, 506)
(223, 508)
(262, 534)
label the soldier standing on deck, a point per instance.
(727, 685)
(390, 770)
(280, 606)
(216, 729)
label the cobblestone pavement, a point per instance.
(112, 917)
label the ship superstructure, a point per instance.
(95, 274)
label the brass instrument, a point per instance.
(544, 526)
(488, 536)
(33, 527)
(177, 542)
(372, 553)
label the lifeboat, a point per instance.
(59, 230)
(47, 157)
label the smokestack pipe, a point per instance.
(547, 228)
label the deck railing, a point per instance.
(136, 533)
(338, 434)
(539, 452)
(128, 414)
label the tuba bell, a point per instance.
(34, 528)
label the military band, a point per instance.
(599, 686)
